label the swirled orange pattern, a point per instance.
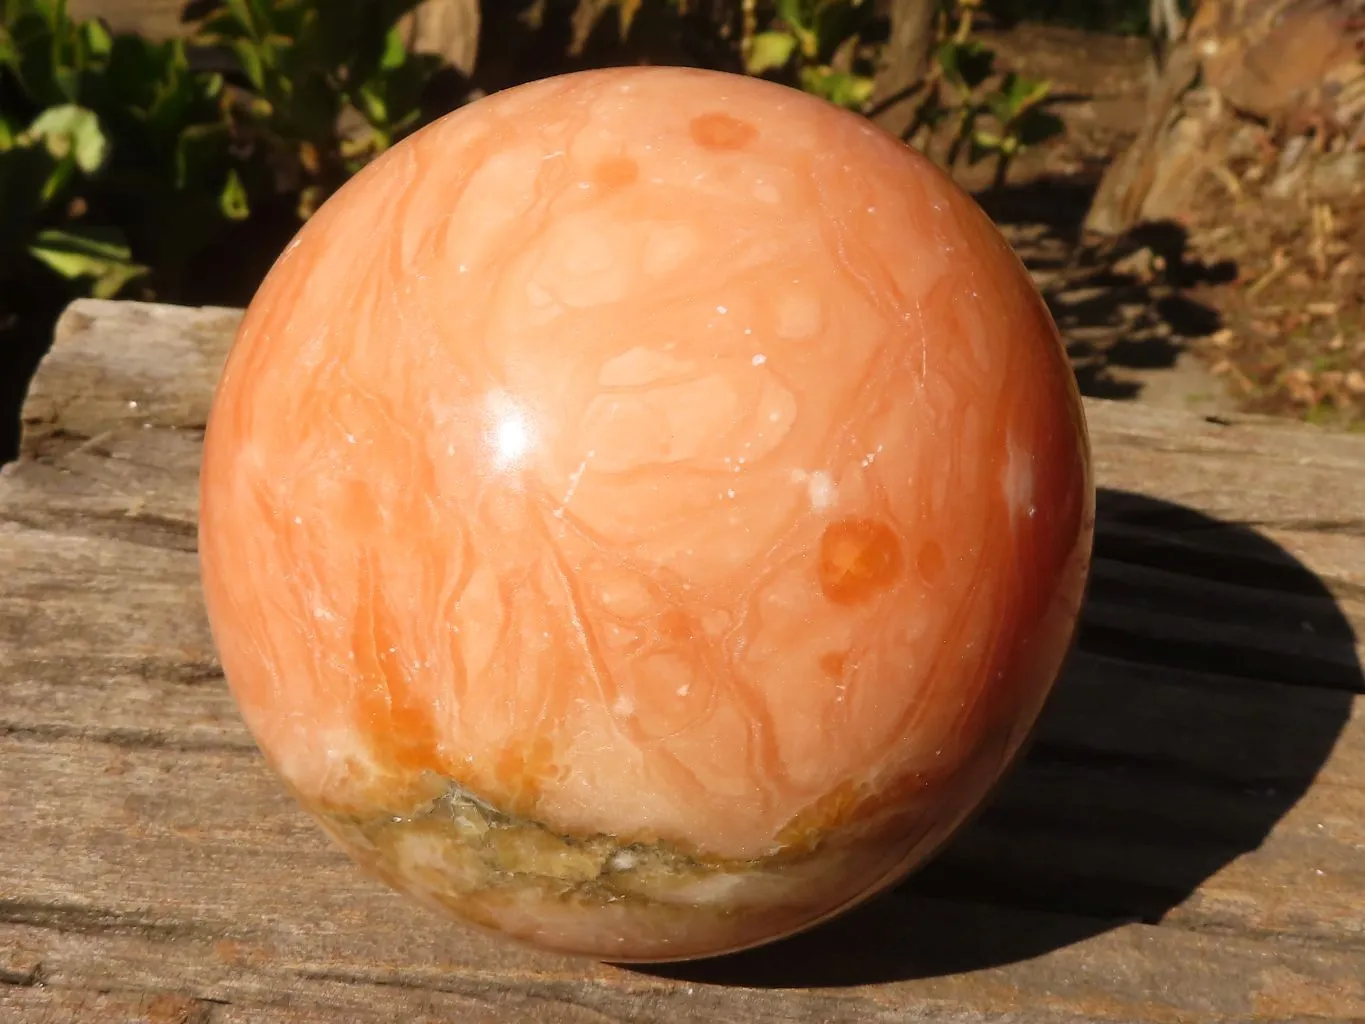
(645, 511)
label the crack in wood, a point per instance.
(96, 671)
(73, 918)
(130, 739)
(161, 533)
(22, 972)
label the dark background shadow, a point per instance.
(1146, 776)
(521, 40)
(1126, 305)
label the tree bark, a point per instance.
(905, 62)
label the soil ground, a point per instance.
(1255, 302)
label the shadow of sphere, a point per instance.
(1213, 675)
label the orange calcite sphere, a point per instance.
(644, 512)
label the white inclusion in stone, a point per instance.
(623, 706)
(820, 488)
(760, 359)
(1018, 479)
(575, 478)
(623, 860)
(766, 193)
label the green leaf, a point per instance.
(96, 38)
(798, 16)
(987, 140)
(75, 131)
(63, 170)
(199, 150)
(966, 65)
(839, 87)
(1037, 126)
(372, 105)
(9, 51)
(31, 55)
(68, 82)
(836, 22)
(251, 57)
(626, 10)
(770, 50)
(100, 254)
(28, 180)
(242, 14)
(232, 201)
(395, 52)
(794, 13)
(1025, 92)
(263, 12)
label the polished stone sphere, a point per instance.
(644, 512)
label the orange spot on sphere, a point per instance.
(832, 664)
(615, 172)
(858, 559)
(722, 131)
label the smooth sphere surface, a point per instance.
(644, 512)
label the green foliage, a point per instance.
(828, 48)
(991, 115)
(822, 39)
(99, 255)
(122, 158)
(110, 144)
(327, 86)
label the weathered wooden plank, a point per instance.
(1200, 771)
(1091, 829)
(121, 366)
(890, 962)
(85, 673)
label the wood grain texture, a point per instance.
(1185, 841)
